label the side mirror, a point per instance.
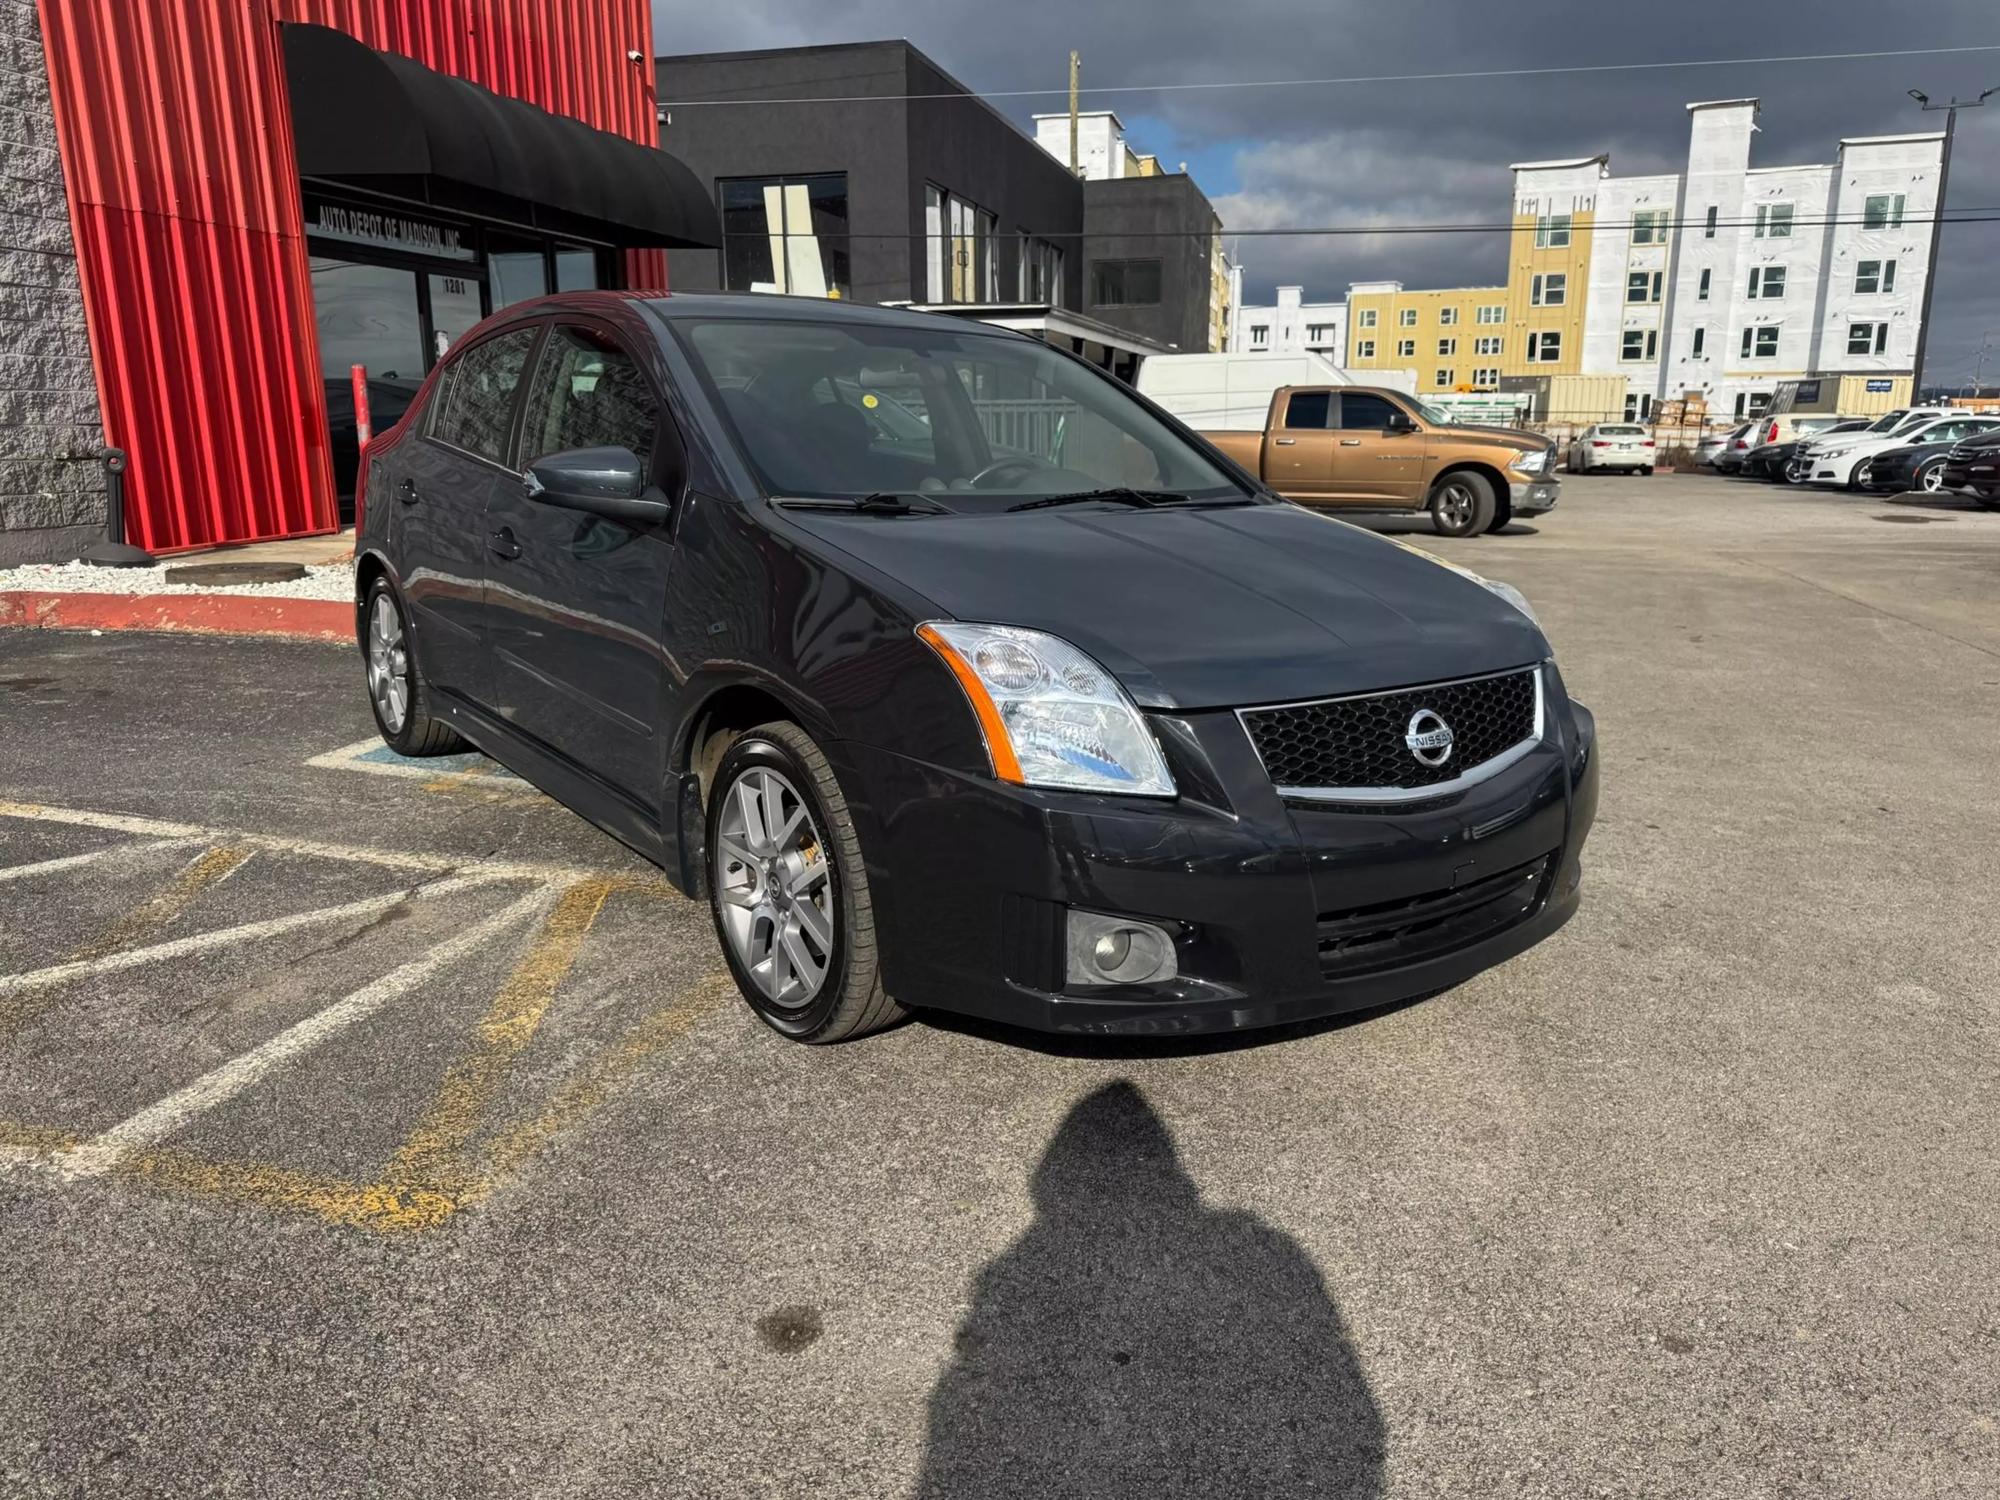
(1399, 421)
(609, 482)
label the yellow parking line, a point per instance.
(433, 1155)
(153, 916)
(378, 1206)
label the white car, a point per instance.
(1610, 445)
(1833, 460)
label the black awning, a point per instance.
(373, 118)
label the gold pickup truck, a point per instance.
(1359, 447)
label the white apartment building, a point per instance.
(1727, 279)
(1292, 326)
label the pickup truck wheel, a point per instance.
(789, 891)
(1462, 504)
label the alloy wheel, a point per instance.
(773, 887)
(1456, 505)
(1931, 481)
(388, 664)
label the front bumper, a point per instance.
(1533, 497)
(972, 882)
(1981, 474)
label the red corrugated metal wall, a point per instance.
(177, 141)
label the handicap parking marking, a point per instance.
(458, 1153)
(376, 759)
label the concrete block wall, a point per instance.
(51, 481)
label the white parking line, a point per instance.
(71, 861)
(392, 859)
(225, 937)
(155, 1123)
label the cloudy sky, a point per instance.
(1437, 152)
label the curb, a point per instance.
(322, 620)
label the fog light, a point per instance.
(1118, 950)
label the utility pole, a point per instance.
(1074, 60)
(1951, 110)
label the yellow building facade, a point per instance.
(1454, 338)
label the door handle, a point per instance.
(1284, 442)
(406, 491)
(1350, 442)
(502, 544)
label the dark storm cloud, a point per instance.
(1437, 151)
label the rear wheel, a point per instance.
(789, 891)
(1645, 468)
(1462, 504)
(1930, 478)
(397, 691)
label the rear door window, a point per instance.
(1308, 409)
(474, 407)
(588, 392)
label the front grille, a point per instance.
(1399, 932)
(1358, 743)
(1964, 452)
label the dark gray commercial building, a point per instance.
(881, 191)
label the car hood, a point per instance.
(1504, 437)
(1203, 608)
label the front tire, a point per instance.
(789, 892)
(1462, 504)
(397, 691)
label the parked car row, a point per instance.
(1909, 448)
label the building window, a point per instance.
(1875, 276)
(1406, 349)
(959, 238)
(1638, 408)
(1491, 344)
(1041, 272)
(785, 234)
(1365, 349)
(1407, 318)
(1708, 226)
(1544, 348)
(1774, 221)
(1551, 231)
(1125, 283)
(1319, 333)
(1447, 346)
(1260, 335)
(1644, 286)
(1367, 317)
(1549, 290)
(1883, 211)
(1447, 316)
(1640, 344)
(1649, 226)
(1761, 342)
(1867, 338)
(1698, 348)
(1493, 314)
(1766, 283)
(1486, 379)
(1441, 379)
(1701, 291)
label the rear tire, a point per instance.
(789, 892)
(1645, 469)
(397, 692)
(1462, 504)
(1930, 478)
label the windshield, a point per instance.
(828, 410)
(1889, 420)
(1431, 414)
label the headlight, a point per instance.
(1051, 716)
(1533, 463)
(1512, 595)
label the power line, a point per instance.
(1954, 216)
(1286, 83)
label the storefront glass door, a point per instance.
(454, 309)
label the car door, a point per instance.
(1298, 459)
(575, 604)
(1377, 458)
(440, 485)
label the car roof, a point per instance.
(677, 306)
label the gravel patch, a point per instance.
(322, 581)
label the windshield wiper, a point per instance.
(881, 503)
(1116, 494)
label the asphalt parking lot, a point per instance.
(378, 1129)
